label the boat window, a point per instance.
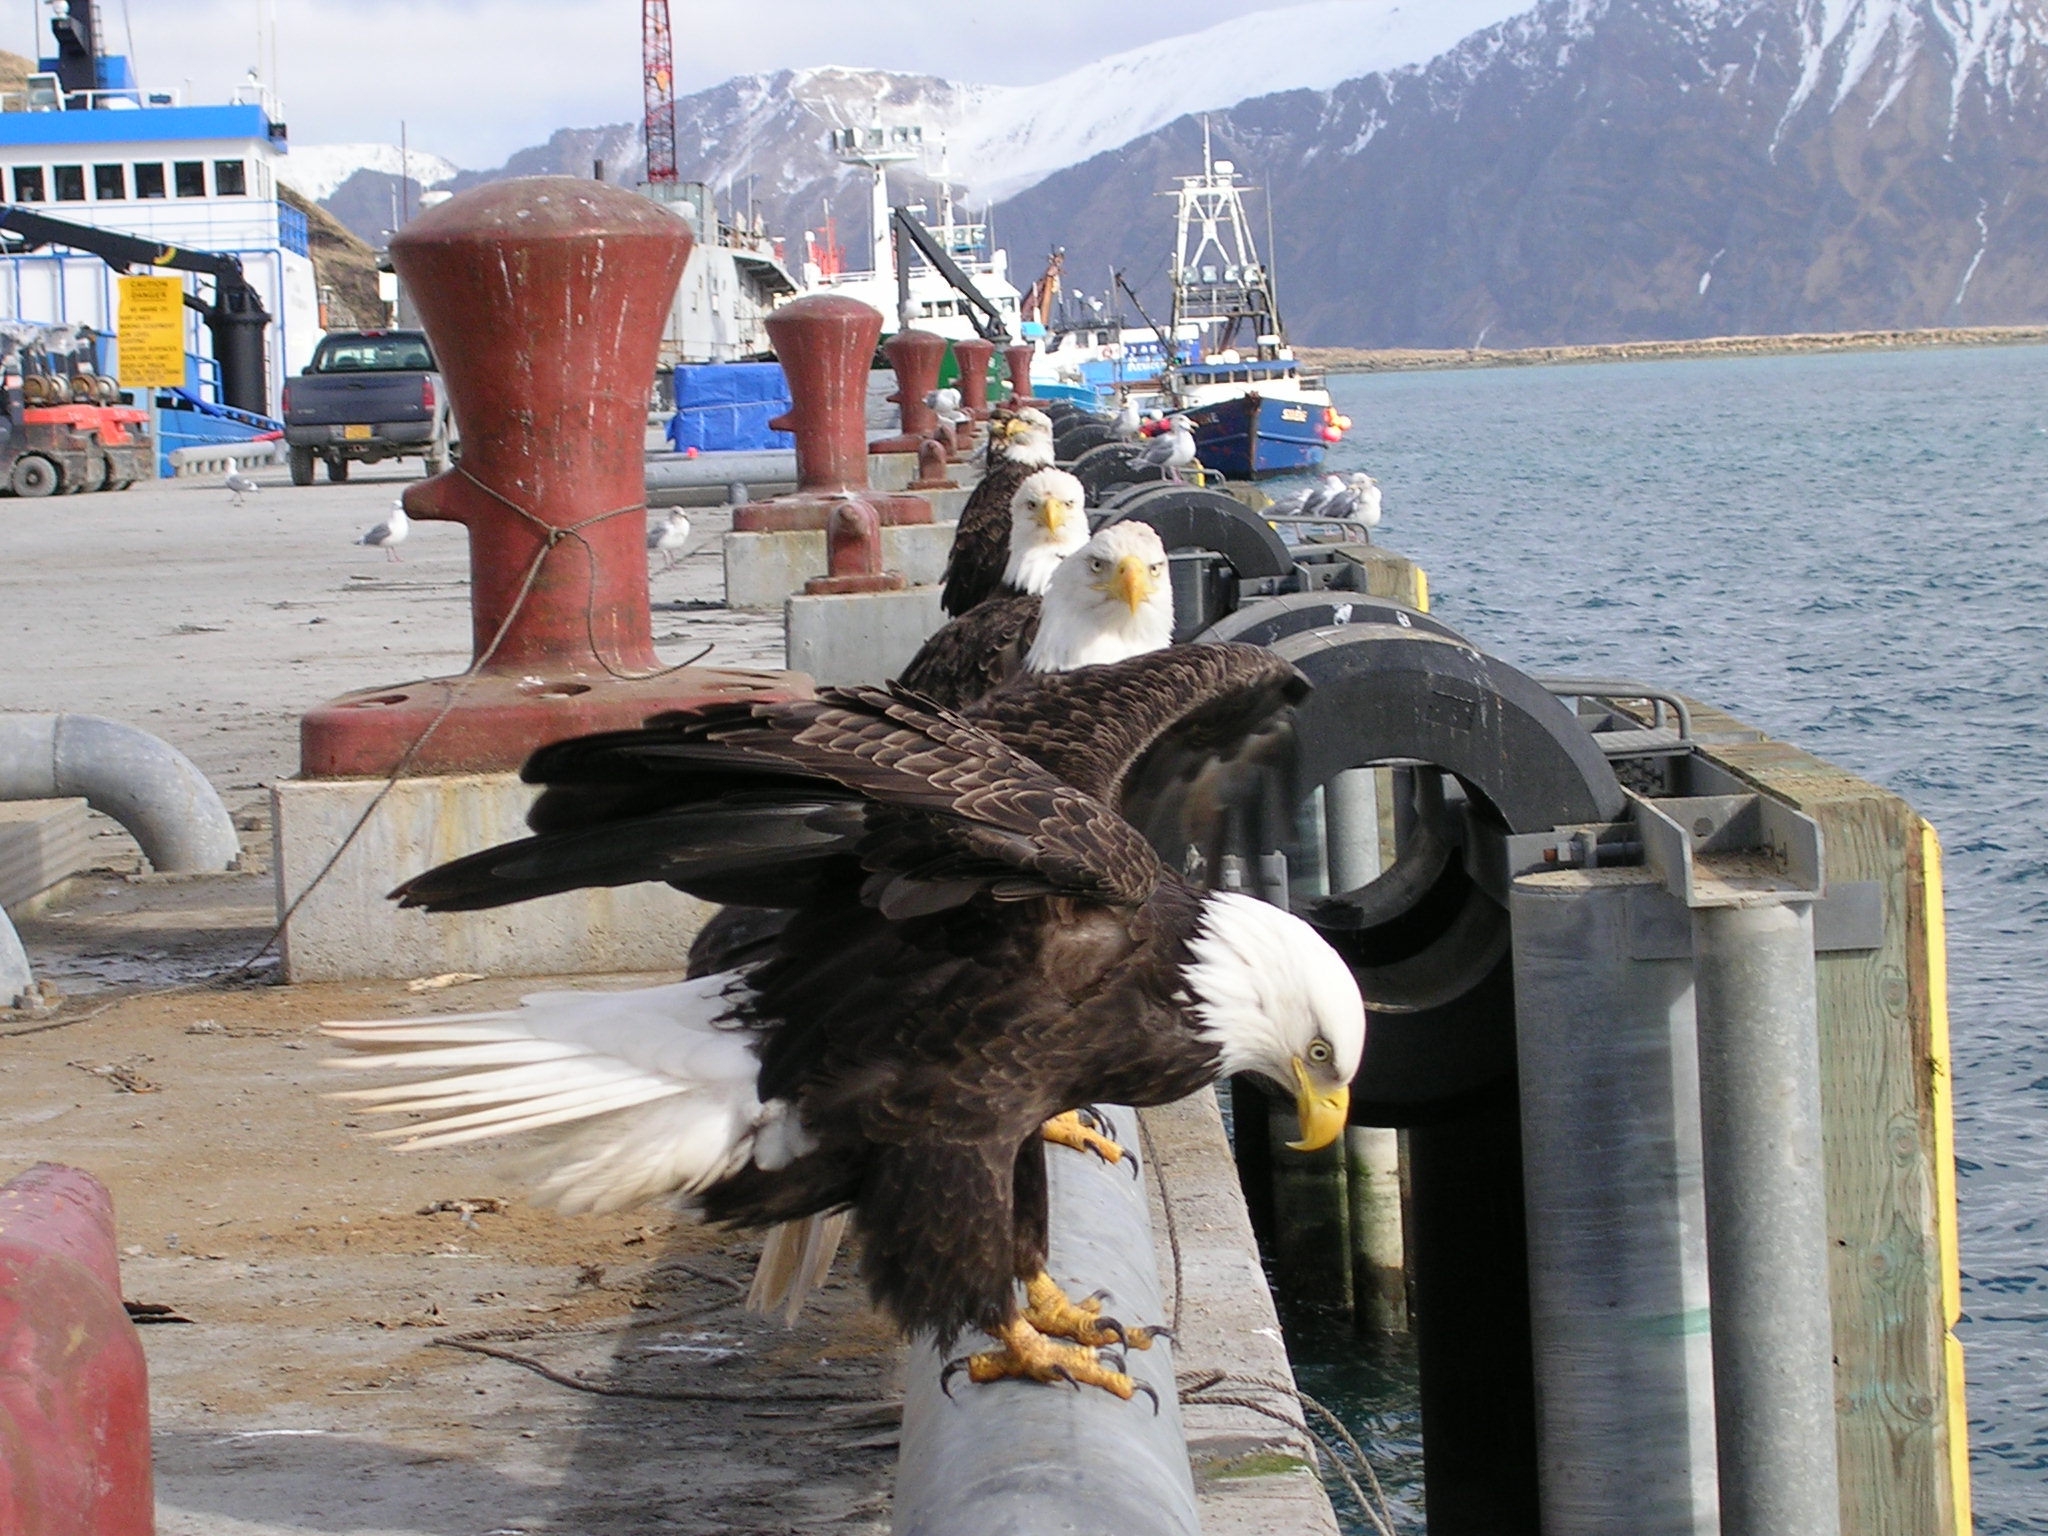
(149, 179)
(230, 179)
(190, 177)
(69, 181)
(110, 183)
(28, 183)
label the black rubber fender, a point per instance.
(1266, 620)
(1189, 517)
(1112, 464)
(1429, 948)
(1074, 438)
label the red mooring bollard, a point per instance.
(1018, 360)
(917, 357)
(825, 344)
(74, 1388)
(932, 462)
(973, 358)
(544, 297)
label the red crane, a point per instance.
(659, 77)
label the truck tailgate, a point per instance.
(319, 400)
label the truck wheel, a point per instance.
(33, 475)
(337, 470)
(437, 456)
(302, 466)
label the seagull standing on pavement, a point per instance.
(241, 485)
(390, 533)
(669, 538)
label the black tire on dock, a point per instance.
(302, 466)
(1073, 441)
(34, 476)
(1112, 464)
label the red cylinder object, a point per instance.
(74, 1388)
(853, 554)
(973, 358)
(1018, 360)
(932, 462)
(825, 344)
(917, 357)
(545, 298)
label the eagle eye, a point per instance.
(1319, 1052)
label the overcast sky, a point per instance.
(476, 79)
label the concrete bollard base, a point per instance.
(761, 569)
(347, 930)
(859, 638)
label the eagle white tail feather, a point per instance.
(794, 1262)
(644, 1093)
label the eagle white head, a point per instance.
(1109, 601)
(1048, 522)
(1276, 1000)
(1026, 438)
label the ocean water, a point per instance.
(1850, 552)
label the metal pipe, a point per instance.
(1611, 1178)
(1766, 1208)
(1351, 819)
(1031, 1460)
(145, 784)
(716, 471)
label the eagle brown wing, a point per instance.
(981, 542)
(979, 651)
(935, 809)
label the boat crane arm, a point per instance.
(121, 252)
(911, 229)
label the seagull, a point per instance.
(1128, 424)
(241, 485)
(946, 402)
(390, 533)
(1361, 499)
(1174, 450)
(669, 537)
(1309, 500)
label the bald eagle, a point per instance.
(1098, 599)
(1018, 443)
(980, 941)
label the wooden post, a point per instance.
(1889, 1146)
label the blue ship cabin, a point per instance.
(88, 146)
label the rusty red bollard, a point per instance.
(544, 298)
(1018, 360)
(825, 343)
(74, 1387)
(973, 358)
(917, 357)
(932, 463)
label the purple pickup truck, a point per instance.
(368, 396)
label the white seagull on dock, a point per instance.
(1129, 425)
(241, 485)
(390, 533)
(1174, 451)
(668, 538)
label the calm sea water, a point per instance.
(1850, 552)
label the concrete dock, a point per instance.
(351, 1312)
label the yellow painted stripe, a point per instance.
(1421, 590)
(1947, 1233)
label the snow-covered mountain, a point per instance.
(1593, 170)
(319, 170)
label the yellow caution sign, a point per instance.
(150, 332)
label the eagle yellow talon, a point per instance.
(1051, 1311)
(1028, 1355)
(1070, 1130)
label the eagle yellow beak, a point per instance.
(1132, 583)
(1052, 515)
(1322, 1114)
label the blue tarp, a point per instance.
(722, 407)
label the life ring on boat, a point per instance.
(1109, 354)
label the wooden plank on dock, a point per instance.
(1889, 1153)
